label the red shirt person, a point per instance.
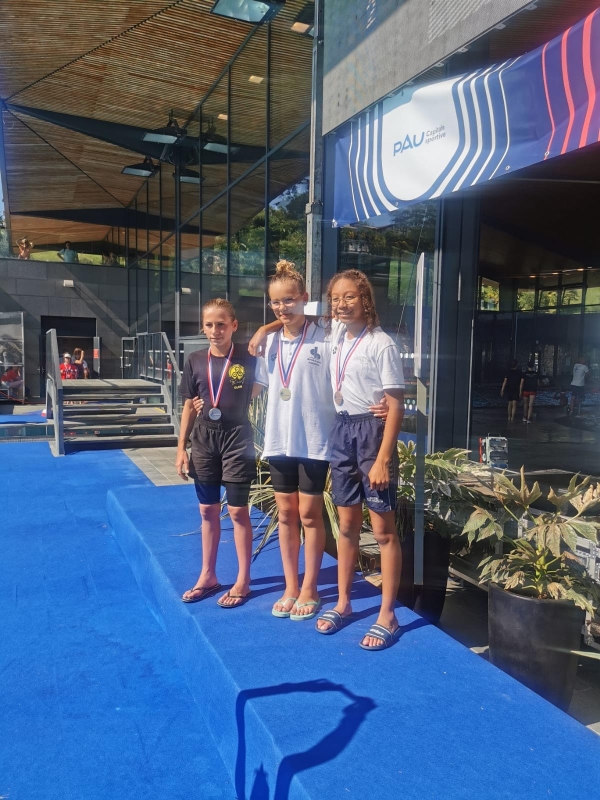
(68, 371)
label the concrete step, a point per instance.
(74, 444)
(101, 430)
(122, 397)
(99, 420)
(110, 408)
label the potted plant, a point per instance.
(449, 501)
(539, 591)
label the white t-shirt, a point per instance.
(579, 373)
(374, 366)
(300, 427)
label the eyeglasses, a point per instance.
(288, 302)
(349, 298)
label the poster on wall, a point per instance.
(429, 141)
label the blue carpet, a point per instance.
(93, 704)
(22, 419)
(296, 715)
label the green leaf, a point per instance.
(588, 530)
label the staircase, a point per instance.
(138, 410)
(102, 414)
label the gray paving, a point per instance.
(157, 463)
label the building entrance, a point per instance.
(539, 304)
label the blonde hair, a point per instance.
(220, 302)
(286, 271)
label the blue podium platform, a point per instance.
(296, 715)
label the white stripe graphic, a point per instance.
(350, 171)
(473, 89)
(467, 145)
(376, 157)
(507, 121)
(360, 194)
(492, 122)
(367, 145)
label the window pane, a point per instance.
(247, 259)
(213, 153)
(291, 68)
(214, 250)
(248, 123)
(489, 295)
(571, 296)
(288, 196)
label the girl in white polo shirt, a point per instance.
(365, 367)
(300, 414)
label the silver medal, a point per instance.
(285, 394)
(214, 414)
(339, 399)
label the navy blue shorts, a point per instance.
(355, 442)
(209, 494)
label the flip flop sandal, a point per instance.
(204, 592)
(336, 621)
(241, 597)
(283, 614)
(301, 617)
(381, 632)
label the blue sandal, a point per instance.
(335, 619)
(381, 632)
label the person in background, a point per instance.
(580, 371)
(80, 363)
(25, 248)
(528, 390)
(12, 380)
(68, 370)
(67, 254)
(511, 385)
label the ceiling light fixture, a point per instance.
(168, 134)
(145, 169)
(255, 79)
(304, 23)
(189, 176)
(222, 116)
(253, 11)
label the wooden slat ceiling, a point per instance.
(129, 63)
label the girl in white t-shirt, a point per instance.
(365, 367)
(299, 417)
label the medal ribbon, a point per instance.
(215, 400)
(340, 373)
(286, 374)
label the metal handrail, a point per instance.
(151, 358)
(54, 393)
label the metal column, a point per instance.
(314, 207)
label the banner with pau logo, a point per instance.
(429, 141)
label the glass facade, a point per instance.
(222, 237)
(389, 256)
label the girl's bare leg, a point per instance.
(384, 530)
(350, 525)
(311, 515)
(242, 535)
(289, 543)
(211, 535)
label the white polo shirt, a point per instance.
(300, 427)
(374, 366)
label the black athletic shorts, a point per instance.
(512, 396)
(222, 454)
(306, 475)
